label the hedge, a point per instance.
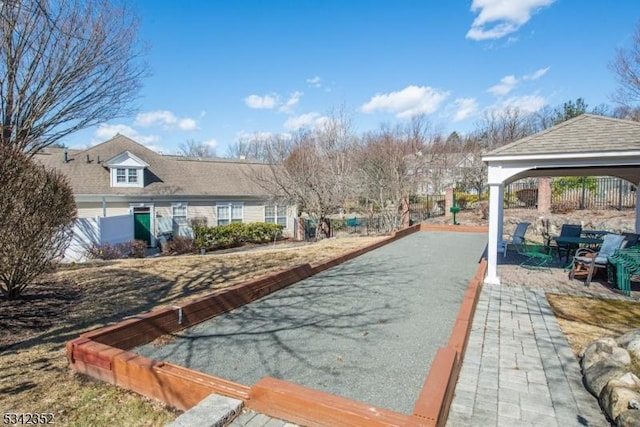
(235, 234)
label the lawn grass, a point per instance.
(584, 319)
(34, 373)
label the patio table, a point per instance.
(594, 233)
(599, 234)
(591, 242)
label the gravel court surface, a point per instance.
(367, 329)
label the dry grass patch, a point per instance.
(34, 375)
(584, 319)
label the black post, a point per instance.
(619, 194)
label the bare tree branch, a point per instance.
(626, 67)
(195, 149)
(65, 65)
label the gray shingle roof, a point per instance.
(165, 174)
(582, 134)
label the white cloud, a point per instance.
(187, 124)
(107, 131)
(536, 74)
(152, 118)
(315, 81)
(526, 104)
(498, 18)
(261, 102)
(166, 119)
(293, 100)
(308, 120)
(408, 102)
(213, 143)
(506, 85)
(465, 107)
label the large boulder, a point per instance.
(624, 339)
(600, 373)
(619, 394)
(628, 418)
(601, 349)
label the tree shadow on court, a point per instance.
(333, 325)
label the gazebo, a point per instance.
(587, 145)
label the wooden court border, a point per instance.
(105, 354)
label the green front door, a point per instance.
(142, 226)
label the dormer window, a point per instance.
(126, 170)
(126, 176)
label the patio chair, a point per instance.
(568, 230)
(631, 244)
(516, 238)
(537, 255)
(631, 238)
(586, 261)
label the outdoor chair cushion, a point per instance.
(586, 260)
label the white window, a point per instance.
(132, 176)
(179, 214)
(127, 177)
(229, 212)
(276, 214)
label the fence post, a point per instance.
(619, 194)
(544, 195)
(448, 202)
(406, 212)
(584, 192)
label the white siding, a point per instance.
(202, 209)
(94, 209)
(253, 212)
(88, 232)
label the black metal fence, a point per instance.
(571, 193)
(352, 225)
(425, 207)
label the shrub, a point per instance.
(564, 206)
(107, 251)
(180, 245)
(138, 248)
(528, 197)
(262, 232)
(567, 183)
(235, 234)
(465, 200)
(202, 236)
(483, 207)
(37, 211)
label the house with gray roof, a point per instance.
(165, 192)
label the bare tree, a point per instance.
(261, 148)
(195, 149)
(65, 65)
(626, 67)
(387, 163)
(36, 213)
(317, 171)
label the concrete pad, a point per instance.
(212, 411)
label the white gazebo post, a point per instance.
(495, 234)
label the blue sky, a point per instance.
(223, 70)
